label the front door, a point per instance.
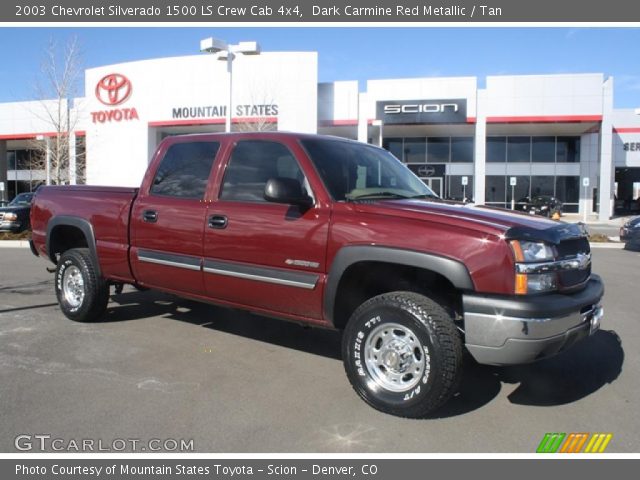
(435, 184)
(260, 254)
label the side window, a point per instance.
(252, 164)
(184, 170)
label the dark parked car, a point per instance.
(15, 216)
(544, 205)
(630, 234)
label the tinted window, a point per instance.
(462, 149)
(438, 150)
(568, 149)
(496, 149)
(184, 170)
(518, 149)
(394, 145)
(252, 164)
(542, 185)
(415, 150)
(543, 149)
(495, 190)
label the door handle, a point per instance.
(218, 221)
(150, 216)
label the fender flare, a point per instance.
(81, 224)
(453, 270)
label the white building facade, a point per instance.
(515, 137)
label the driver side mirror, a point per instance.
(286, 190)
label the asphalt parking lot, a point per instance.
(165, 368)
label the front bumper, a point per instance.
(513, 330)
(10, 226)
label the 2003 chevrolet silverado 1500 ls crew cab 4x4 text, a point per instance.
(333, 233)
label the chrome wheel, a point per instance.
(73, 286)
(394, 357)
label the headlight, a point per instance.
(533, 252)
(525, 251)
(12, 217)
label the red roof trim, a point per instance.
(547, 119)
(627, 130)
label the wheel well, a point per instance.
(63, 238)
(364, 280)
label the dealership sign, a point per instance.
(113, 90)
(213, 111)
(422, 111)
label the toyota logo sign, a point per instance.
(113, 89)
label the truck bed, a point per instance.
(105, 209)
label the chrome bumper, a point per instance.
(501, 331)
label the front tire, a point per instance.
(82, 294)
(402, 354)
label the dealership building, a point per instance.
(493, 139)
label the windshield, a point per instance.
(22, 199)
(356, 171)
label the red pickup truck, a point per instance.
(336, 234)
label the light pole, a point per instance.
(226, 52)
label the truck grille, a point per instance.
(568, 249)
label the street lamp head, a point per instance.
(213, 45)
(247, 48)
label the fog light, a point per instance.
(542, 282)
(596, 318)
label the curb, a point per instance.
(14, 243)
(611, 245)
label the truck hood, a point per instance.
(478, 217)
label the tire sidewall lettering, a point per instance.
(358, 358)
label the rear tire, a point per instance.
(82, 294)
(402, 354)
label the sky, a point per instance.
(351, 53)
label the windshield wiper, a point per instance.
(424, 195)
(379, 195)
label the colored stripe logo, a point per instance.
(574, 443)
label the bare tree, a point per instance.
(259, 115)
(57, 85)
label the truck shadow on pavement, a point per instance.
(137, 305)
(565, 378)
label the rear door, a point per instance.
(168, 218)
(260, 254)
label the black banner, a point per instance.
(308, 469)
(404, 112)
(318, 11)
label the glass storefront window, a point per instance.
(496, 149)
(462, 149)
(543, 149)
(568, 192)
(414, 150)
(520, 191)
(455, 189)
(518, 149)
(542, 185)
(568, 149)
(495, 190)
(393, 145)
(438, 149)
